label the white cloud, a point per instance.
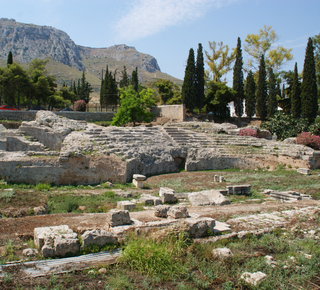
(148, 17)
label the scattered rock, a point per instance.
(305, 171)
(253, 278)
(40, 210)
(239, 189)
(30, 252)
(126, 205)
(221, 253)
(102, 271)
(168, 197)
(198, 227)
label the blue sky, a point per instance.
(167, 29)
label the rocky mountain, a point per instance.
(28, 41)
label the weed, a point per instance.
(7, 278)
(7, 195)
(43, 186)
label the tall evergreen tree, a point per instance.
(188, 87)
(199, 78)
(261, 107)
(125, 81)
(295, 94)
(10, 58)
(250, 91)
(109, 95)
(135, 80)
(238, 81)
(272, 104)
(309, 100)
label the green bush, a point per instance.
(285, 126)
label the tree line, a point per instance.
(265, 87)
(34, 88)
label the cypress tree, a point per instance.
(188, 88)
(10, 58)
(309, 101)
(261, 109)
(272, 104)
(135, 80)
(238, 81)
(102, 92)
(199, 79)
(124, 82)
(295, 94)
(250, 95)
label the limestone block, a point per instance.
(118, 217)
(43, 233)
(165, 190)
(253, 278)
(168, 197)
(139, 177)
(99, 238)
(239, 189)
(207, 197)
(221, 179)
(178, 212)
(149, 200)
(221, 253)
(216, 178)
(137, 183)
(266, 134)
(198, 227)
(66, 244)
(305, 171)
(126, 205)
(161, 211)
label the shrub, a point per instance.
(285, 126)
(248, 132)
(80, 106)
(310, 140)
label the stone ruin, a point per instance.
(54, 149)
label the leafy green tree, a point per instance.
(250, 92)
(199, 78)
(272, 103)
(238, 85)
(262, 44)
(309, 98)
(125, 80)
(295, 94)
(134, 107)
(135, 80)
(10, 58)
(261, 106)
(221, 54)
(188, 86)
(165, 90)
(218, 96)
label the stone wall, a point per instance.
(31, 115)
(175, 113)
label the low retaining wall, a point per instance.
(31, 115)
(175, 113)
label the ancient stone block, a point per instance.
(39, 210)
(239, 189)
(165, 190)
(99, 238)
(43, 233)
(198, 227)
(207, 197)
(30, 252)
(168, 197)
(178, 211)
(305, 171)
(66, 244)
(149, 200)
(118, 217)
(161, 211)
(139, 177)
(126, 205)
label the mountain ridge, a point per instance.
(29, 41)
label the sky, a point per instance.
(167, 29)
